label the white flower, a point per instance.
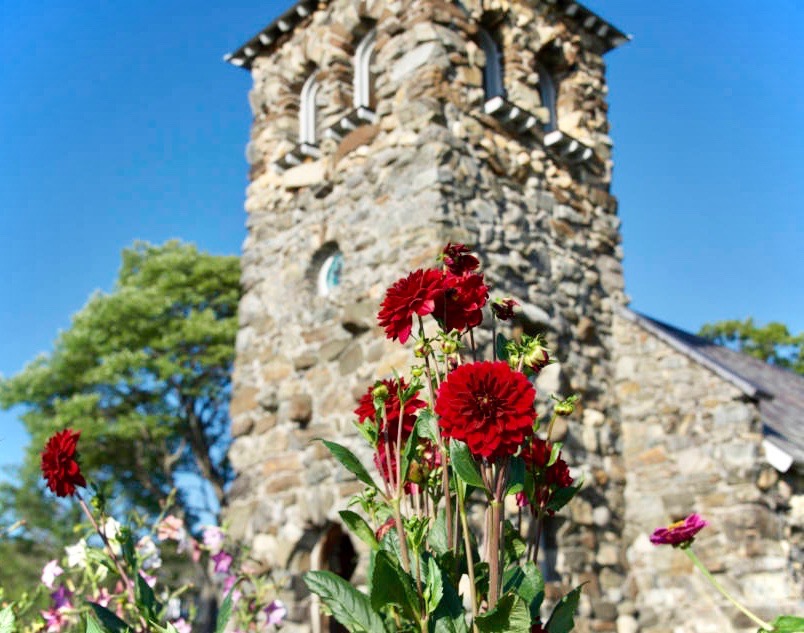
(149, 553)
(50, 572)
(173, 611)
(111, 528)
(77, 554)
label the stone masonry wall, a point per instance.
(692, 443)
(432, 168)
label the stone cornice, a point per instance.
(264, 41)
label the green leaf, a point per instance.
(225, 612)
(563, 617)
(555, 451)
(501, 345)
(7, 620)
(146, 599)
(360, 528)
(390, 584)
(510, 614)
(562, 496)
(109, 620)
(93, 626)
(528, 583)
(787, 624)
(437, 539)
(516, 476)
(350, 462)
(434, 587)
(427, 424)
(408, 453)
(349, 607)
(449, 616)
(464, 464)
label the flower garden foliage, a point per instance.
(457, 435)
(114, 579)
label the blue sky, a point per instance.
(119, 121)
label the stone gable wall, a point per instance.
(432, 168)
(692, 443)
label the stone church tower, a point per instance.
(383, 129)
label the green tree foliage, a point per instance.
(772, 343)
(144, 373)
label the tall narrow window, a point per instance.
(548, 93)
(362, 79)
(493, 72)
(307, 112)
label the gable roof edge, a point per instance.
(746, 386)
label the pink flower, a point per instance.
(227, 586)
(50, 572)
(103, 598)
(182, 626)
(276, 612)
(149, 580)
(54, 620)
(223, 561)
(171, 527)
(679, 534)
(213, 538)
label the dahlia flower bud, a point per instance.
(380, 392)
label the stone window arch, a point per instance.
(548, 91)
(325, 270)
(363, 81)
(307, 111)
(334, 552)
(493, 83)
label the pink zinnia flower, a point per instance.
(681, 533)
(50, 572)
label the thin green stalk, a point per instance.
(467, 545)
(695, 561)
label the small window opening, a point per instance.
(493, 71)
(334, 552)
(549, 95)
(363, 84)
(329, 275)
(307, 111)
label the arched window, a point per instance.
(493, 72)
(548, 93)
(307, 111)
(362, 71)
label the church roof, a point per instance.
(779, 392)
(267, 38)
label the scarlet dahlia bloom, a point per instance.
(681, 533)
(457, 259)
(60, 463)
(460, 304)
(546, 479)
(365, 409)
(410, 295)
(503, 309)
(487, 405)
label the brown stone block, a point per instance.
(363, 135)
(282, 483)
(278, 463)
(628, 388)
(245, 399)
(656, 455)
(265, 423)
(241, 425)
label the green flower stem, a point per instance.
(695, 561)
(403, 539)
(126, 580)
(467, 545)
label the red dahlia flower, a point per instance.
(460, 304)
(681, 533)
(410, 295)
(487, 405)
(60, 463)
(365, 409)
(503, 309)
(457, 259)
(546, 479)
